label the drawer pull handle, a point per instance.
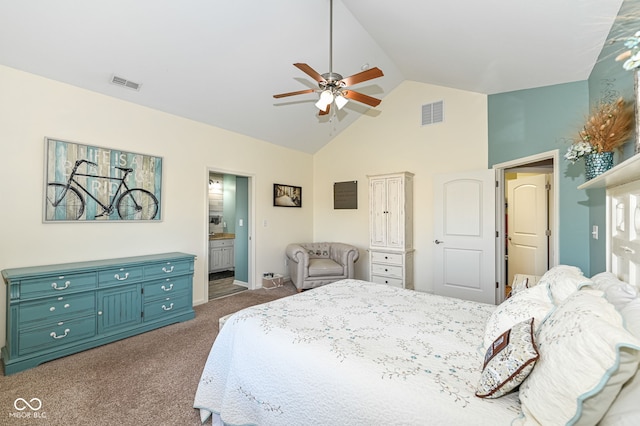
(164, 308)
(167, 289)
(53, 308)
(66, 285)
(627, 249)
(66, 305)
(164, 269)
(117, 276)
(55, 336)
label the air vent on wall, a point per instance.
(433, 113)
(125, 83)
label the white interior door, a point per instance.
(464, 232)
(527, 225)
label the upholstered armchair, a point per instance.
(315, 264)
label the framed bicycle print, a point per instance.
(85, 183)
(287, 195)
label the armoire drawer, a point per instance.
(396, 282)
(386, 270)
(383, 257)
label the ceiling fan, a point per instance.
(332, 86)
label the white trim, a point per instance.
(500, 212)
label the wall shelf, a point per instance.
(624, 172)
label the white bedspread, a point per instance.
(351, 353)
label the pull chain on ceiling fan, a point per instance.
(332, 87)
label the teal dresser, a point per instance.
(57, 310)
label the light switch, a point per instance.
(240, 222)
(594, 232)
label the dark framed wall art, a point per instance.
(85, 183)
(287, 195)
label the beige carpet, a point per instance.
(149, 379)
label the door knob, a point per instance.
(439, 242)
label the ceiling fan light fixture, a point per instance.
(341, 101)
(326, 97)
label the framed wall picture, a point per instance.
(345, 195)
(287, 195)
(85, 183)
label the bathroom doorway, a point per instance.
(229, 221)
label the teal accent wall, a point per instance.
(242, 232)
(609, 81)
(527, 122)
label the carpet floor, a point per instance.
(149, 379)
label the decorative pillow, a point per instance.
(586, 356)
(533, 302)
(563, 281)
(508, 361)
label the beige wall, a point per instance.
(393, 141)
(32, 107)
(387, 139)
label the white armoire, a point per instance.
(391, 229)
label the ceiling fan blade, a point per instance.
(360, 97)
(326, 111)
(310, 72)
(362, 76)
(299, 92)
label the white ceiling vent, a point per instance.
(433, 113)
(125, 83)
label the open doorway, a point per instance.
(527, 217)
(229, 221)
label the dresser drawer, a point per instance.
(57, 307)
(166, 269)
(119, 276)
(57, 284)
(386, 270)
(167, 287)
(387, 280)
(166, 306)
(56, 334)
(393, 258)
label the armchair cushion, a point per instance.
(323, 267)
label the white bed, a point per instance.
(352, 352)
(359, 353)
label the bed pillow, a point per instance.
(586, 355)
(508, 361)
(563, 281)
(617, 292)
(625, 410)
(533, 302)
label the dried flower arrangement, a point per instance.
(608, 128)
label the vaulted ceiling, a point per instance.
(221, 62)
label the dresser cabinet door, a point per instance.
(119, 308)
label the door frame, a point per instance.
(250, 224)
(500, 168)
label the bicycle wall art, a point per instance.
(92, 184)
